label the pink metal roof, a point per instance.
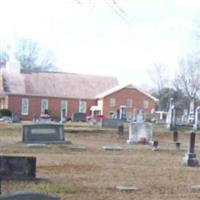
(57, 84)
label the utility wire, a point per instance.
(118, 11)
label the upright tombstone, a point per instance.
(195, 126)
(140, 132)
(172, 125)
(190, 158)
(78, 117)
(121, 129)
(17, 167)
(140, 116)
(191, 112)
(43, 133)
(184, 117)
(28, 196)
(171, 116)
(155, 146)
(175, 136)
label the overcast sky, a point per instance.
(97, 37)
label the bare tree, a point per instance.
(48, 61)
(158, 76)
(29, 54)
(188, 79)
(4, 57)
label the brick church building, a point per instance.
(30, 93)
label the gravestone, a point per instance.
(176, 139)
(15, 118)
(138, 115)
(190, 158)
(140, 132)
(17, 168)
(178, 144)
(175, 136)
(44, 118)
(184, 117)
(171, 116)
(43, 133)
(120, 130)
(28, 196)
(195, 187)
(195, 126)
(111, 123)
(78, 117)
(155, 146)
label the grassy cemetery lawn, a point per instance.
(86, 171)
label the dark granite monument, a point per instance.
(78, 117)
(175, 136)
(43, 133)
(17, 168)
(190, 158)
(111, 123)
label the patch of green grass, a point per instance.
(56, 189)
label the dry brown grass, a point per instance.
(93, 174)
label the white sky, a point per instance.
(89, 37)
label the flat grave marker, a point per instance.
(123, 188)
(112, 147)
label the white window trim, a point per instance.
(112, 102)
(146, 104)
(81, 102)
(47, 105)
(66, 106)
(27, 109)
(131, 104)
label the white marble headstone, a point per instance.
(140, 132)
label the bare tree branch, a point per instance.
(158, 76)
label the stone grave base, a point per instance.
(190, 159)
(195, 187)
(77, 147)
(49, 142)
(36, 145)
(123, 188)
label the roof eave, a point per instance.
(50, 96)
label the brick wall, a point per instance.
(14, 104)
(121, 98)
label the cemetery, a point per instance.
(157, 163)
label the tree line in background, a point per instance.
(30, 54)
(184, 89)
(185, 86)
